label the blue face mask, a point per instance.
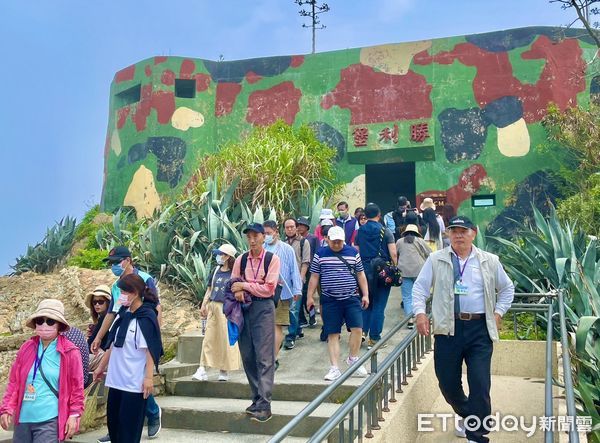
(268, 239)
(117, 269)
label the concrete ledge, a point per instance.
(522, 358)
(189, 347)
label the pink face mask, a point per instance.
(46, 332)
(124, 300)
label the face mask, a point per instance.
(343, 214)
(220, 260)
(46, 332)
(269, 239)
(124, 300)
(117, 270)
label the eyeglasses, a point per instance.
(99, 302)
(41, 320)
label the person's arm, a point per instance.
(159, 315)
(76, 395)
(422, 288)
(98, 373)
(203, 308)
(296, 279)
(393, 253)
(266, 289)
(363, 284)
(305, 260)
(313, 283)
(106, 324)
(148, 384)
(506, 293)
(9, 400)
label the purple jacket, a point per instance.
(233, 308)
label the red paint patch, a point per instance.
(125, 74)
(251, 77)
(375, 97)
(282, 101)
(226, 95)
(168, 77)
(163, 102)
(148, 71)
(560, 81)
(187, 68)
(122, 114)
(297, 60)
(159, 59)
(202, 82)
(469, 182)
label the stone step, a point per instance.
(300, 390)
(224, 414)
(188, 436)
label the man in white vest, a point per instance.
(471, 293)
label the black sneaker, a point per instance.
(304, 324)
(250, 410)
(276, 364)
(155, 425)
(105, 439)
(261, 416)
(300, 335)
(312, 322)
(289, 344)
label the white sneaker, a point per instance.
(223, 376)
(361, 371)
(333, 374)
(459, 428)
(200, 374)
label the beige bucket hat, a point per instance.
(99, 291)
(49, 308)
(411, 228)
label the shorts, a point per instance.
(282, 313)
(337, 312)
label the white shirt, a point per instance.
(474, 301)
(127, 365)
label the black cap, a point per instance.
(461, 222)
(254, 227)
(303, 221)
(117, 254)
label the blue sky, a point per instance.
(59, 58)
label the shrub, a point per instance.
(89, 259)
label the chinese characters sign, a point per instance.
(400, 140)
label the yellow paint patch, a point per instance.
(392, 59)
(115, 142)
(513, 140)
(353, 192)
(185, 118)
(142, 194)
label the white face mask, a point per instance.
(220, 260)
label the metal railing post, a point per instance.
(549, 408)
(569, 393)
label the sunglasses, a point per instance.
(41, 320)
(99, 302)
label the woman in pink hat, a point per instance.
(44, 407)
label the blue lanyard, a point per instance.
(37, 363)
(461, 271)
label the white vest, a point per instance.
(442, 305)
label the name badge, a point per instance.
(29, 393)
(460, 288)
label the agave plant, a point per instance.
(50, 252)
(550, 255)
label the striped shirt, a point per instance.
(289, 274)
(336, 279)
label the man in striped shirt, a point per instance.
(340, 272)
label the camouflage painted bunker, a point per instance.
(457, 119)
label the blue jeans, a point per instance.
(151, 408)
(294, 328)
(374, 315)
(406, 288)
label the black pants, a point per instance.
(257, 348)
(303, 306)
(471, 343)
(125, 414)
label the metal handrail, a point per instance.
(371, 354)
(548, 401)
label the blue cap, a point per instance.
(254, 227)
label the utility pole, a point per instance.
(313, 13)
